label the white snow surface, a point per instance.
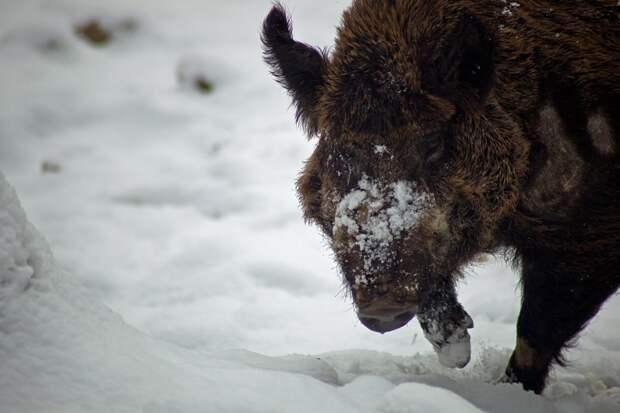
(183, 278)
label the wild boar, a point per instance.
(449, 129)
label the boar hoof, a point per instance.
(450, 339)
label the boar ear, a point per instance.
(463, 62)
(296, 66)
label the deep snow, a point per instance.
(177, 210)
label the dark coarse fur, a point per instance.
(507, 114)
(283, 56)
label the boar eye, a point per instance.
(314, 183)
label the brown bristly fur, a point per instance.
(507, 114)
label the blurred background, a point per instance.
(151, 147)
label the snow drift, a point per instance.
(61, 351)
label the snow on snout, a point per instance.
(389, 211)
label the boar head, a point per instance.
(417, 167)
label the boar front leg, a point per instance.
(445, 324)
(560, 296)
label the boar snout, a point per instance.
(385, 315)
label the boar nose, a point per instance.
(385, 316)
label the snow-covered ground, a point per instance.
(176, 210)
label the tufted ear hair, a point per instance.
(296, 66)
(463, 61)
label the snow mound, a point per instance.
(61, 351)
(427, 399)
(16, 251)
